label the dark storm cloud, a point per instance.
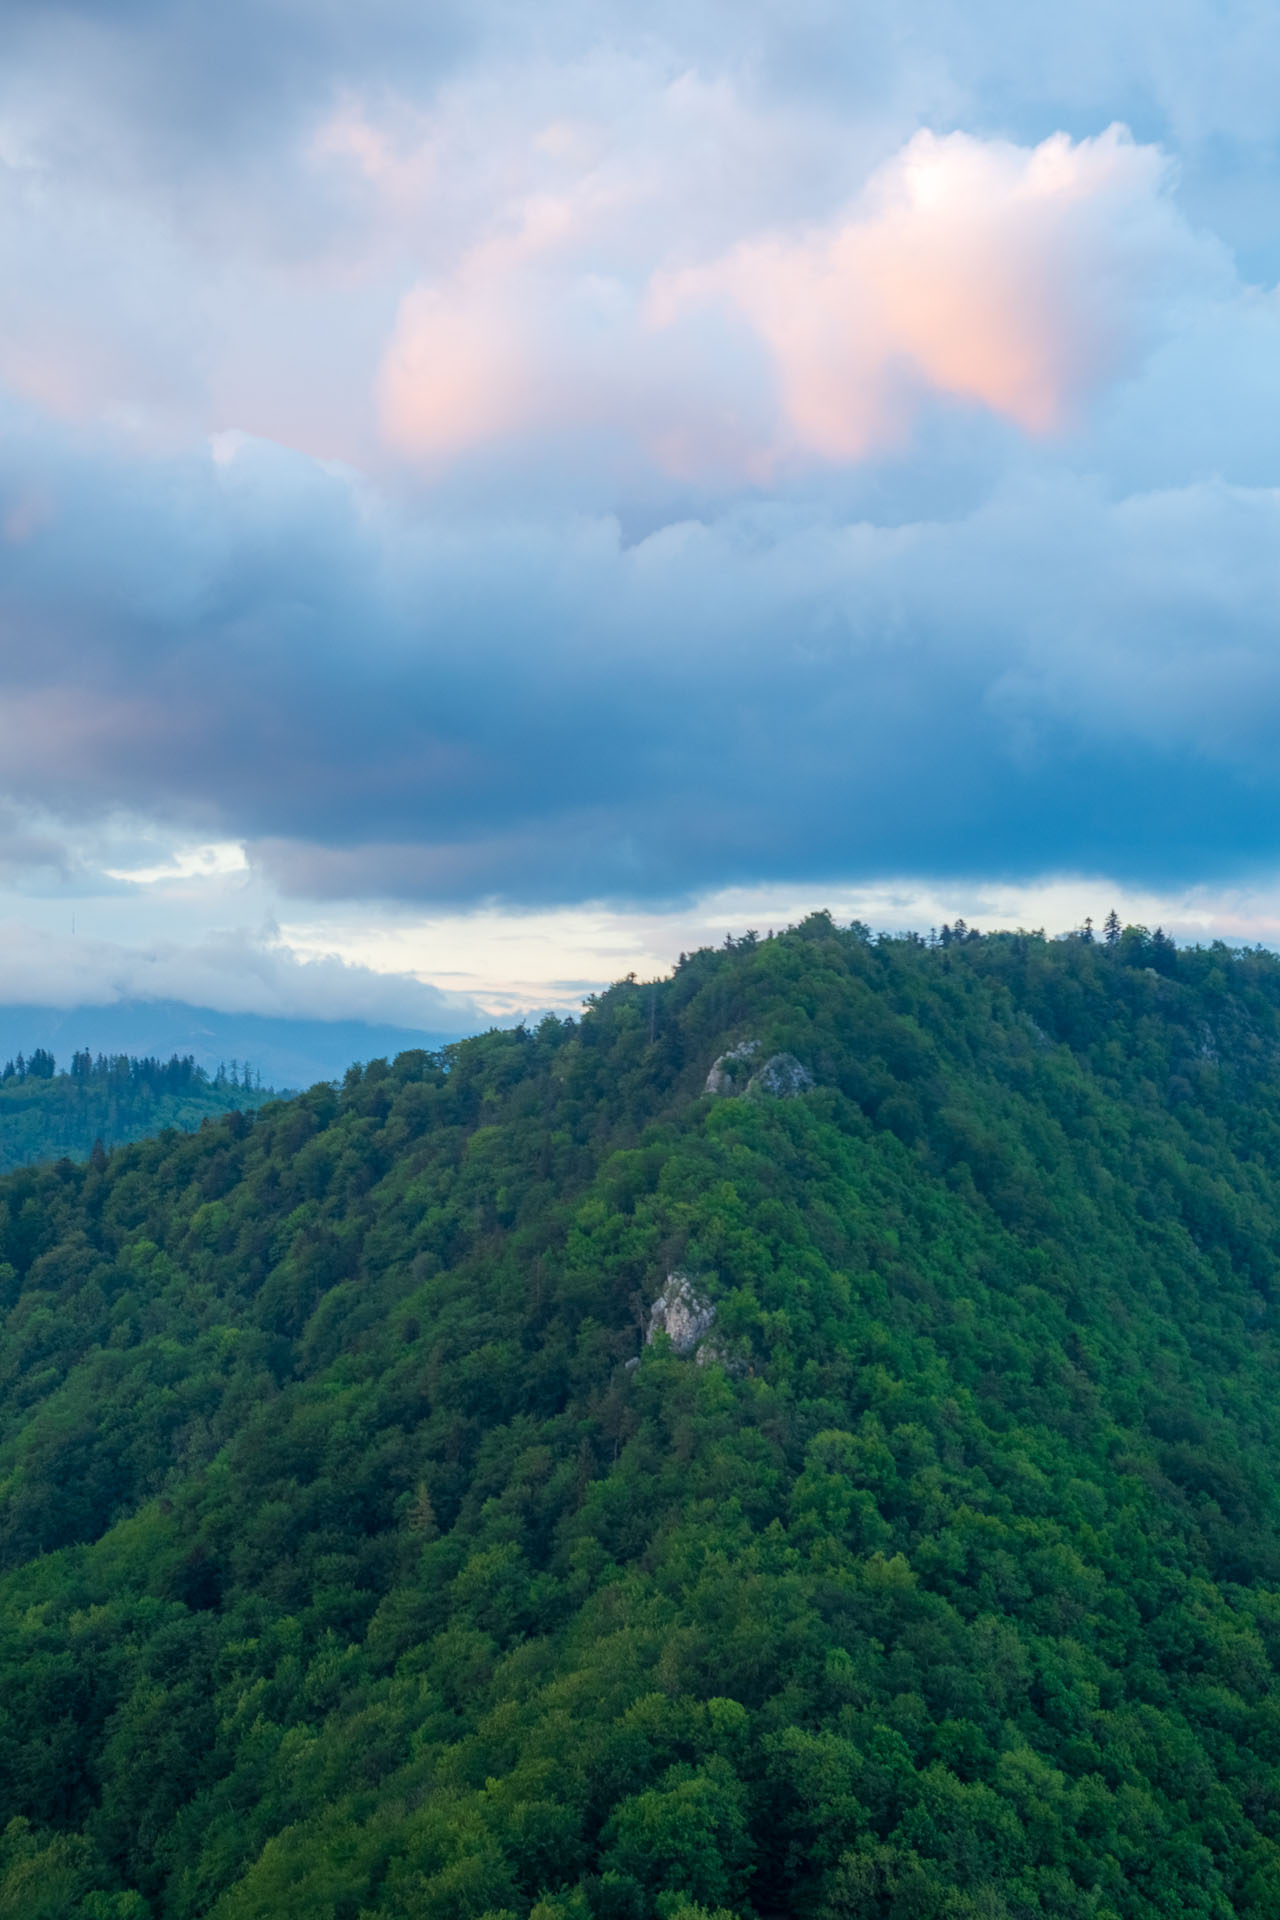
(451, 708)
(763, 479)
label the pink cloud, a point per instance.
(457, 373)
(469, 359)
(1017, 279)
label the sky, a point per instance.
(492, 497)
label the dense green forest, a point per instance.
(109, 1098)
(363, 1560)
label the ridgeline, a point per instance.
(521, 1483)
(109, 1099)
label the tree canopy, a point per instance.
(112, 1098)
(362, 1560)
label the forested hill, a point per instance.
(353, 1573)
(112, 1098)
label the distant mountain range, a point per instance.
(285, 1053)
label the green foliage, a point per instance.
(46, 1115)
(349, 1572)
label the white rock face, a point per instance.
(680, 1312)
(780, 1077)
(732, 1070)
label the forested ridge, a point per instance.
(109, 1098)
(351, 1573)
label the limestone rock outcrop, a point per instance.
(681, 1312)
(781, 1077)
(737, 1072)
(732, 1071)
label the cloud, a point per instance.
(431, 239)
(539, 457)
(32, 848)
(234, 972)
(536, 326)
(1022, 280)
(449, 706)
(185, 863)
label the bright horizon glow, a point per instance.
(516, 964)
(187, 863)
(214, 940)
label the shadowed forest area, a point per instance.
(351, 1572)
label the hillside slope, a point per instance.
(46, 1115)
(350, 1572)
